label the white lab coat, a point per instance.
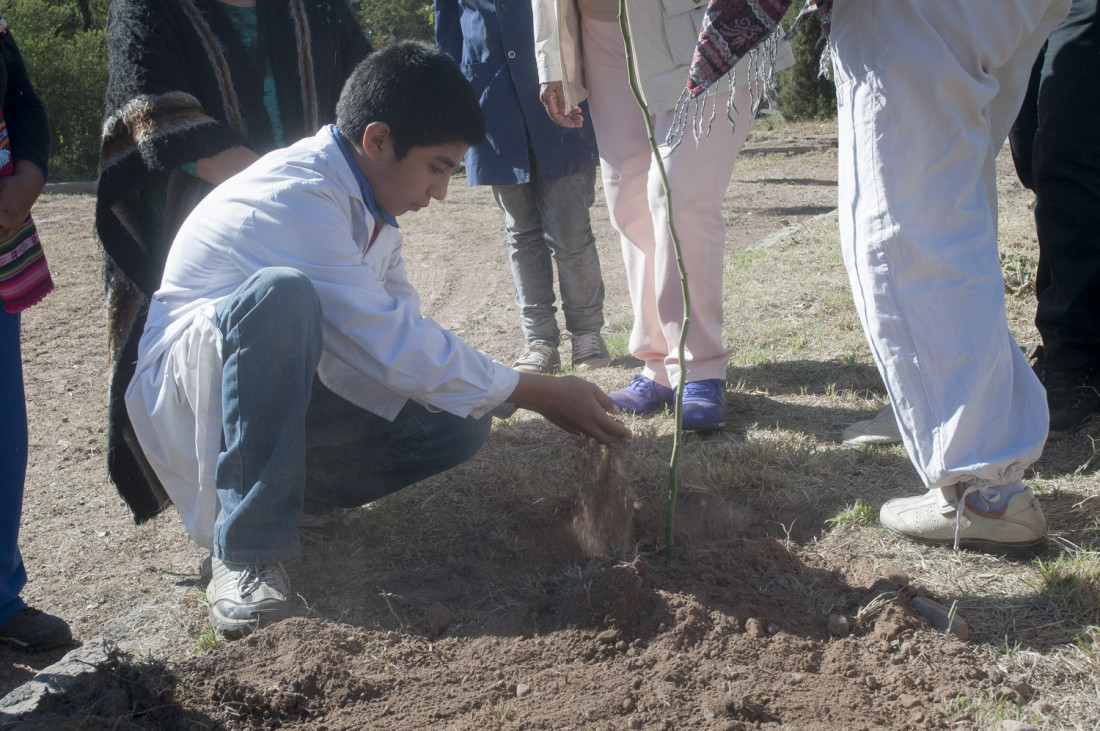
(299, 207)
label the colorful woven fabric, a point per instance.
(734, 28)
(24, 277)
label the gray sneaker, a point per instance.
(242, 596)
(538, 357)
(589, 351)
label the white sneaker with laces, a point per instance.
(589, 351)
(242, 596)
(1005, 520)
(882, 429)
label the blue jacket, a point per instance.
(494, 44)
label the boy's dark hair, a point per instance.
(417, 90)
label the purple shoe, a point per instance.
(704, 405)
(642, 396)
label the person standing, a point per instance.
(196, 91)
(926, 94)
(1056, 147)
(542, 176)
(24, 281)
(580, 53)
(918, 226)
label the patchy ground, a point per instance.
(554, 610)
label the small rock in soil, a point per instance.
(1017, 726)
(608, 636)
(941, 617)
(888, 629)
(522, 689)
(1018, 684)
(1040, 708)
(754, 627)
(838, 625)
(438, 619)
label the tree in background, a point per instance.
(386, 21)
(803, 93)
(64, 44)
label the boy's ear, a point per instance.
(375, 137)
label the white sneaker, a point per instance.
(242, 596)
(1016, 528)
(883, 429)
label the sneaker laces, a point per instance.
(642, 385)
(994, 498)
(961, 507)
(587, 345)
(536, 352)
(256, 575)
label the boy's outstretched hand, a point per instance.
(572, 403)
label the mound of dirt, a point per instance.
(750, 635)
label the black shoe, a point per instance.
(32, 630)
(1073, 397)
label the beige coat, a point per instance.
(663, 34)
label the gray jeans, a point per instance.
(548, 220)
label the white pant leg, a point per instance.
(698, 176)
(926, 92)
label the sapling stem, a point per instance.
(674, 461)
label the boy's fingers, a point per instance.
(614, 431)
(606, 403)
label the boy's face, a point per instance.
(410, 183)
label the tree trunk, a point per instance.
(85, 14)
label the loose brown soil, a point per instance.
(556, 623)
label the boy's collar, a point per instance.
(364, 186)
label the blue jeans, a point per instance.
(290, 443)
(544, 220)
(13, 466)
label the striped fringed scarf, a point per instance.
(731, 31)
(24, 276)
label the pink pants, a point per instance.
(698, 175)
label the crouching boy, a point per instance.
(285, 366)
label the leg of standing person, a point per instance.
(533, 274)
(926, 93)
(1060, 161)
(563, 208)
(698, 175)
(21, 627)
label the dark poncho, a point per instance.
(183, 87)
